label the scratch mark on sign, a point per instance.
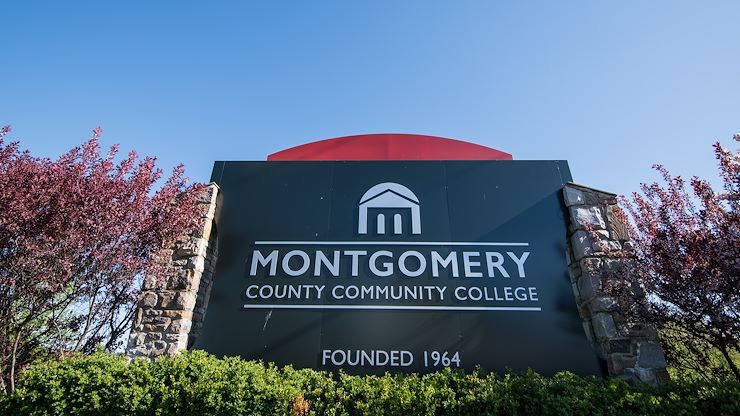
(267, 318)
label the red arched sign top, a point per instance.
(390, 147)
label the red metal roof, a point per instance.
(390, 147)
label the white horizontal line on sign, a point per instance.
(384, 243)
(402, 308)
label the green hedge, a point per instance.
(199, 384)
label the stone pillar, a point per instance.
(169, 313)
(631, 350)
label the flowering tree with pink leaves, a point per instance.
(684, 273)
(76, 235)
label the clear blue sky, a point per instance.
(610, 86)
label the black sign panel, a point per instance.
(395, 266)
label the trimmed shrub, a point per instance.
(197, 383)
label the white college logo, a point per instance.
(394, 196)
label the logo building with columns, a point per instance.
(389, 195)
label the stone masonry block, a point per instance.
(614, 265)
(588, 288)
(650, 355)
(153, 336)
(599, 198)
(167, 299)
(138, 339)
(592, 216)
(604, 326)
(178, 314)
(642, 331)
(607, 246)
(210, 213)
(158, 347)
(184, 279)
(619, 363)
(618, 345)
(581, 245)
(179, 262)
(174, 337)
(154, 327)
(197, 264)
(149, 299)
(151, 283)
(147, 320)
(646, 375)
(573, 196)
(205, 230)
(173, 349)
(161, 320)
(591, 267)
(209, 194)
(180, 326)
(192, 247)
(602, 304)
(138, 351)
(185, 300)
(179, 340)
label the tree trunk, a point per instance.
(12, 362)
(730, 363)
